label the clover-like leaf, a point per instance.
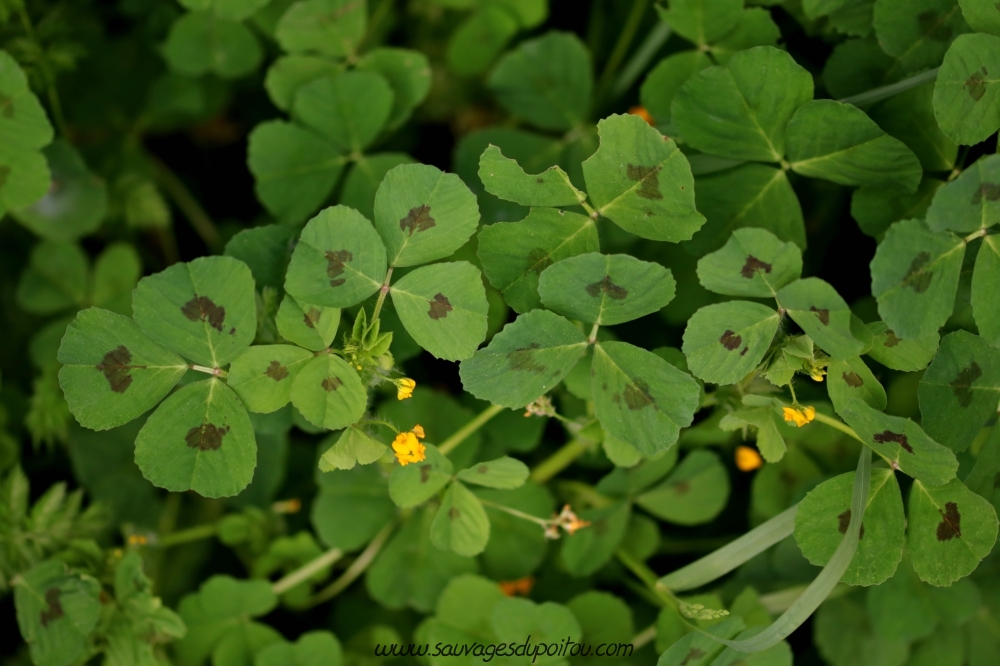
(112, 373)
(548, 621)
(443, 307)
(202, 43)
(917, 32)
(981, 15)
(288, 73)
(971, 201)
(461, 524)
(503, 177)
(641, 181)
(477, 41)
(412, 484)
(352, 447)
(505, 473)
(876, 208)
(349, 108)
(898, 354)
(311, 326)
(525, 360)
(967, 90)
(329, 393)
(694, 493)
(364, 178)
(753, 262)
(823, 315)
(664, 80)
(699, 21)
(339, 260)
(985, 287)
(199, 439)
(408, 72)
(725, 341)
(27, 180)
(55, 278)
(329, 27)
(262, 376)
(313, 648)
(851, 379)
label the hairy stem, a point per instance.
(558, 461)
(515, 512)
(837, 425)
(644, 636)
(357, 567)
(306, 571)
(472, 426)
(193, 211)
(383, 290)
(215, 372)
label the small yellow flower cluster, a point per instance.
(799, 415)
(404, 388)
(565, 519)
(407, 446)
(817, 374)
(747, 459)
(521, 586)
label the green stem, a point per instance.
(592, 338)
(47, 73)
(306, 571)
(193, 211)
(647, 576)
(515, 512)
(383, 290)
(558, 461)
(215, 372)
(640, 60)
(196, 533)
(472, 426)
(376, 18)
(357, 567)
(837, 425)
(878, 94)
(632, 24)
(974, 235)
(590, 210)
(644, 636)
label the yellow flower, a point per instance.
(799, 416)
(569, 520)
(404, 388)
(408, 448)
(817, 374)
(747, 459)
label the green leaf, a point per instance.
(443, 307)
(313, 326)
(950, 530)
(349, 109)
(329, 393)
(876, 208)
(838, 142)
(55, 279)
(960, 390)
(917, 32)
(909, 116)
(26, 177)
(221, 609)
(525, 360)
(825, 512)
(985, 287)
(769, 440)
(294, 170)
(547, 622)
(415, 483)
(590, 548)
(262, 376)
(753, 263)
(111, 372)
(605, 289)
(694, 493)
(202, 43)
(966, 93)
(352, 506)
(503, 177)
(640, 398)
(441, 416)
(408, 72)
(116, 272)
(545, 81)
(505, 473)
(203, 309)
(364, 178)
(754, 28)
(56, 612)
(902, 443)
(816, 306)
(603, 616)
(701, 21)
(725, 341)
(845, 637)
(640, 181)
(751, 195)
(915, 276)
(461, 523)
(313, 648)
(700, 649)
(898, 354)
(741, 110)
(423, 214)
(851, 379)
(352, 447)
(902, 608)
(199, 439)
(477, 41)
(981, 478)
(290, 72)
(664, 80)
(339, 260)
(517, 546)
(329, 27)
(23, 124)
(971, 201)
(982, 15)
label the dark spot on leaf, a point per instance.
(987, 191)
(276, 371)
(540, 181)
(331, 383)
(917, 278)
(682, 487)
(311, 318)
(232, 331)
(418, 219)
(206, 437)
(822, 313)
(439, 307)
(730, 340)
(976, 85)
(693, 654)
(744, 352)
(482, 469)
(890, 338)
(201, 308)
(425, 473)
(844, 521)
(648, 179)
(335, 265)
(754, 265)
(853, 379)
(961, 385)
(606, 286)
(888, 436)
(951, 522)
(616, 398)
(524, 359)
(453, 513)
(604, 385)
(116, 369)
(55, 610)
(637, 395)
(538, 260)
(932, 24)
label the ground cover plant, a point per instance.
(444, 331)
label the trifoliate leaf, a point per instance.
(329, 27)
(984, 472)
(740, 110)
(725, 341)
(339, 260)
(664, 80)
(525, 360)
(917, 32)
(960, 390)
(423, 214)
(640, 181)
(545, 81)
(971, 201)
(329, 393)
(290, 72)
(262, 376)
(505, 473)
(312, 326)
(823, 315)
(199, 439)
(950, 530)
(694, 493)
(701, 21)
(838, 142)
(902, 608)
(850, 379)
(408, 72)
(753, 262)
(478, 40)
(352, 505)
(202, 43)
(902, 443)
(845, 636)
(313, 648)
(640, 398)
(444, 308)
(754, 28)
(111, 372)
(349, 109)
(605, 289)
(55, 279)
(899, 354)
(823, 517)
(461, 524)
(590, 548)
(985, 287)
(503, 177)
(514, 254)
(412, 484)
(203, 309)
(966, 92)
(351, 448)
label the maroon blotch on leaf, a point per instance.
(648, 179)
(951, 522)
(335, 265)
(844, 521)
(276, 371)
(608, 287)
(730, 340)
(331, 383)
(311, 318)
(853, 379)
(418, 219)
(890, 338)
(524, 359)
(962, 387)
(976, 84)
(202, 308)
(206, 437)
(916, 278)
(822, 313)
(439, 307)
(637, 395)
(753, 265)
(888, 436)
(55, 609)
(987, 191)
(117, 369)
